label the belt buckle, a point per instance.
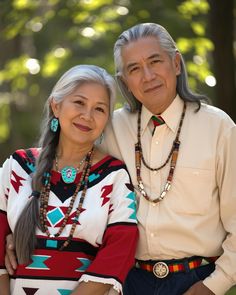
(160, 270)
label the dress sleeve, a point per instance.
(4, 226)
(116, 254)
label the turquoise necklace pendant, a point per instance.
(68, 174)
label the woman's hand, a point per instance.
(10, 257)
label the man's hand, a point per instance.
(199, 289)
(10, 257)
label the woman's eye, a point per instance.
(100, 110)
(79, 102)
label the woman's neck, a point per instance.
(68, 155)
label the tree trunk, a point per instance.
(221, 24)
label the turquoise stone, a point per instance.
(68, 174)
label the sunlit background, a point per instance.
(41, 39)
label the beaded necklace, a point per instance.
(173, 155)
(44, 197)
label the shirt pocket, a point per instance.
(191, 192)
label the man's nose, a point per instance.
(148, 73)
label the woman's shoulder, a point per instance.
(101, 156)
(105, 161)
(30, 153)
(26, 158)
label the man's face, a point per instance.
(150, 74)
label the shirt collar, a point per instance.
(171, 115)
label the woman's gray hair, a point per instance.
(24, 233)
(167, 43)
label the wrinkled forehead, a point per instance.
(140, 50)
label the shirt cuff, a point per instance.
(218, 282)
(116, 287)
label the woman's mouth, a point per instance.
(82, 127)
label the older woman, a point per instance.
(71, 207)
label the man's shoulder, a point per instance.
(213, 113)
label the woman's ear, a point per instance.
(54, 107)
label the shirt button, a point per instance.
(152, 235)
(154, 204)
(155, 172)
(157, 142)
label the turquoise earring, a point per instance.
(54, 124)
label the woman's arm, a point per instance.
(10, 257)
(115, 256)
(4, 284)
(91, 288)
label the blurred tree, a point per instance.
(42, 39)
(221, 26)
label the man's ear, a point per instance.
(177, 63)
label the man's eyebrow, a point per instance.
(132, 64)
(155, 55)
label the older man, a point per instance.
(183, 164)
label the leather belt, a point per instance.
(161, 269)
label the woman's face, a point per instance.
(83, 114)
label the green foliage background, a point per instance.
(53, 35)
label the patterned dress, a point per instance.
(103, 245)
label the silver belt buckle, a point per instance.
(160, 269)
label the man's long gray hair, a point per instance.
(24, 233)
(167, 43)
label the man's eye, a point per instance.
(134, 69)
(155, 61)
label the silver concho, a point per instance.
(160, 270)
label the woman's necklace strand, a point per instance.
(45, 197)
(173, 155)
(77, 169)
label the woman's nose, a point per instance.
(86, 114)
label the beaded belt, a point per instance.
(162, 268)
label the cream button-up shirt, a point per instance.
(198, 214)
